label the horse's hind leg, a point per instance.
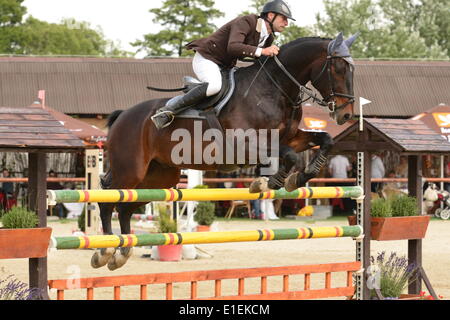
(297, 179)
(102, 256)
(125, 211)
(157, 177)
(288, 158)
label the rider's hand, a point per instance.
(271, 51)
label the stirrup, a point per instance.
(168, 113)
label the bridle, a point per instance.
(304, 91)
(327, 66)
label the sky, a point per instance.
(126, 21)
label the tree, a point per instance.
(11, 15)
(389, 28)
(183, 21)
(69, 37)
(36, 37)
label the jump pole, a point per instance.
(146, 195)
(153, 239)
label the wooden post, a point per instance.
(415, 246)
(37, 201)
(367, 218)
(94, 167)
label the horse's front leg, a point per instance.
(288, 159)
(325, 142)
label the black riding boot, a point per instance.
(164, 116)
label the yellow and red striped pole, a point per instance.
(146, 195)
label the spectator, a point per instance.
(7, 187)
(8, 192)
(378, 172)
(339, 167)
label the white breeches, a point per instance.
(207, 71)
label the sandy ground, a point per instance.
(63, 264)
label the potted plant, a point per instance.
(396, 218)
(19, 237)
(205, 215)
(204, 212)
(391, 277)
(167, 225)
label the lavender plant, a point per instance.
(395, 273)
(13, 289)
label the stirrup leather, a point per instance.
(169, 113)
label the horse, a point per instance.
(268, 95)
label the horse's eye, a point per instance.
(340, 68)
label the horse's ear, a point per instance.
(337, 42)
(352, 39)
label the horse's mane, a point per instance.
(299, 41)
(286, 46)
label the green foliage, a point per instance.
(397, 206)
(403, 206)
(390, 28)
(182, 21)
(381, 207)
(36, 37)
(393, 274)
(19, 218)
(205, 213)
(165, 223)
(201, 186)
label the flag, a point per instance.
(41, 96)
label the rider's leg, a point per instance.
(209, 73)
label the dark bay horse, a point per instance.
(268, 95)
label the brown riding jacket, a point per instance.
(237, 39)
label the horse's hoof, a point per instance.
(119, 259)
(259, 185)
(101, 257)
(290, 184)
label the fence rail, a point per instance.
(218, 276)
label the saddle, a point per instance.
(211, 105)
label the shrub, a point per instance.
(381, 208)
(165, 223)
(205, 213)
(205, 210)
(19, 218)
(403, 206)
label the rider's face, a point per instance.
(280, 22)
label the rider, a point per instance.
(246, 36)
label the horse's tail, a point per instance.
(113, 117)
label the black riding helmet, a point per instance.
(279, 7)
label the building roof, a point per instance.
(438, 119)
(90, 134)
(34, 128)
(102, 85)
(400, 135)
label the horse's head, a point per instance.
(334, 79)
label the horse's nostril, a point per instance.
(347, 116)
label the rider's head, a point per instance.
(277, 13)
